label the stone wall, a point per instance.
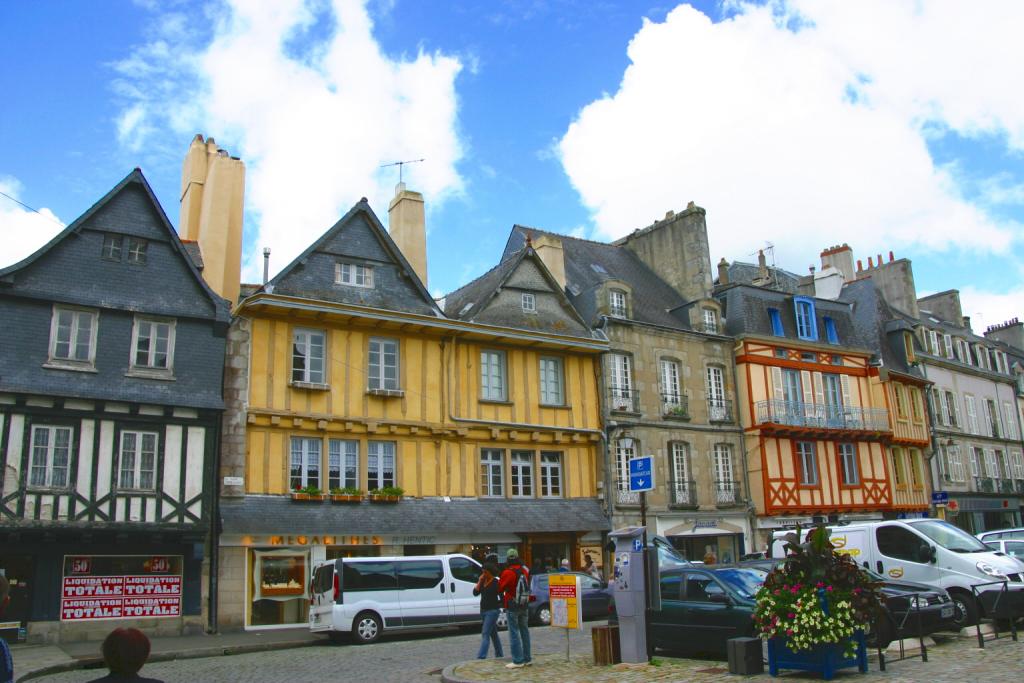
(231, 589)
(236, 400)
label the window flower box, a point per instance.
(309, 494)
(346, 495)
(388, 494)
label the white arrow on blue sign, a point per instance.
(641, 473)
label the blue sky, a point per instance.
(798, 123)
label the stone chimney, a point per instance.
(408, 228)
(839, 257)
(944, 306)
(895, 280)
(676, 249)
(723, 272)
(212, 193)
(549, 249)
(1010, 333)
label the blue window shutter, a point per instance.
(773, 315)
(830, 330)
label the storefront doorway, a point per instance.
(18, 571)
(278, 588)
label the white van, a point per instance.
(365, 596)
(928, 551)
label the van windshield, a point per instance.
(950, 537)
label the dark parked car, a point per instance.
(596, 596)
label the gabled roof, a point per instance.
(136, 177)
(589, 264)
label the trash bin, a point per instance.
(744, 656)
(606, 645)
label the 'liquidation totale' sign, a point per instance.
(120, 597)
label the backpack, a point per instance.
(521, 597)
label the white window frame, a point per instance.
(991, 464)
(379, 456)
(493, 375)
(617, 303)
(710, 321)
(149, 366)
(520, 484)
(551, 474)
(130, 461)
(343, 455)
(721, 456)
(808, 456)
(955, 464)
(112, 243)
(974, 460)
(353, 275)
(947, 343)
(136, 250)
(492, 472)
(1017, 459)
(933, 342)
(377, 373)
(303, 345)
(621, 382)
(671, 393)
(529, 302)
(1010, 421)
(714, 380)
(848, 464)
(43, 470)
(309, 460)
(623, 454)
(71, 360)
(552, 381)
(972, 414)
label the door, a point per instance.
(464, 607)
(792, 394)
(421, 592)
(18, 571)
(321, 592)
(667, 623)
(902, 554)
(708, 624)
(372, 583)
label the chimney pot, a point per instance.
(891, 259)
(879, 259)
(860, 265)
(871, 264)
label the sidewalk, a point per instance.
(31, 661)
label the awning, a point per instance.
(709, 527)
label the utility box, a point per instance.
(745, 656)
(630, 593)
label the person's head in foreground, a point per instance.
(125, 650)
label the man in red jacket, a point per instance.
(518, 616)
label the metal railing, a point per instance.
(626, 497)
(820, 415)
(675, 405)
(622, 399)
(984, 485)
(1020, 486)
(727, 492)
(684, 493)
(1006, 486)
(719, 410)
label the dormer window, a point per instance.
(529, 303)
(805, 327)
(710, 321)
(137, 250)
(933, 342)
(908, 347)
(353, 274)
(111, 248)
(617, 303)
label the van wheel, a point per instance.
(544, 615)
(965, 609)
(366, 628)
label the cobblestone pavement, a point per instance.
(420, 659)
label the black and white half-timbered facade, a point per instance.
(110, 405)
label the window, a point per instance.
(382, 371)
(965, 352)
(529, 303)
(464, 569)
(976, 457)
(830, 331)
(671, 585)
(710, 321)
(805, 327)
(915, 404)
(899, 543)
(342, 464)
(419, 574)
(807, 462)
(947, 343)
(700, 587)
(908, 347)
(725, 484)
(305, 463)
(308, 356)
(369, 575)
(899, 467)
(552, 385)
(933, 342)
(137, 250)
(153, 344)
(901, 401)
(991, 465)
(1017, 460)
(522, 474)
(670, 395)
(848, 464)
(492, 376)
(715, 380)
(992, 417)
(680, 463)
(137, 460)
(51, 456)
(73, 335)
(492, 469)
(380, 464)
(353, 274)
(1010, 422)
(972, 416)
(617, 303)
(776, 320)
(621, 385)
(956, 464)
(625, 450)
(914, 456)
(111, 247)
(550, 474)
(982, 356)
(952, 410)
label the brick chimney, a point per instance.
(839, 257)
(723, 272)
(408, 228)
(549, 249)
(212, 194)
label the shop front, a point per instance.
(707, 539)
(974, 513)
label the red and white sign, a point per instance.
(117, 597)
(158, 565)
(81, 565)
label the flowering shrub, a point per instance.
(817, 597)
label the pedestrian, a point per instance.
(125, 650)
(6, 662)
(564, 566)
(709, 555)
(514, 585)
(490, 607)
(590, 568)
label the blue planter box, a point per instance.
(825, 659)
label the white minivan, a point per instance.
(366, 596)
(928, 551)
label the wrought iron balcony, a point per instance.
(821, 415)
(1005, 485)
(622, 399)
(675, 406)
(684, 493)
(727, 492)
(626, 497)
(1020, 485)
(719, 410)
(984, 485)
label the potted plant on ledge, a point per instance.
(387, 494)
(349, 494)
(309, 493)
(813, 609)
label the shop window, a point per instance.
(380, 464)
(279, 588)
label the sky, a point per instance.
(890, 125)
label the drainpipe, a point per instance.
(214, 531)
(751, 510)
(935, 438)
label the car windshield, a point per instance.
(744, 581)
(668, 557)
(950, 537)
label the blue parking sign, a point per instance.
(641, 473)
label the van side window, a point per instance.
(898, 543)
(369, 576)
(464, 570)
(419, 574)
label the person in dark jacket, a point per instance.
(125, 650)
(490, 609)
(518, 617)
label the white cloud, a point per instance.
(805, 137)
(991, 308)
(22, 231)
(302, 92)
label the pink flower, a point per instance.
(789, 631)
(856, 591)
(828, 588)
(820, 585)
(776, 591)
(791, 615)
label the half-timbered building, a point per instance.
(110, 401)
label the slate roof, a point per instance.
(745, 274)
(412, 516)
(479, 290)
(652, 297)
(194, 253)
(880, 326)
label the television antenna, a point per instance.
(400, 164)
